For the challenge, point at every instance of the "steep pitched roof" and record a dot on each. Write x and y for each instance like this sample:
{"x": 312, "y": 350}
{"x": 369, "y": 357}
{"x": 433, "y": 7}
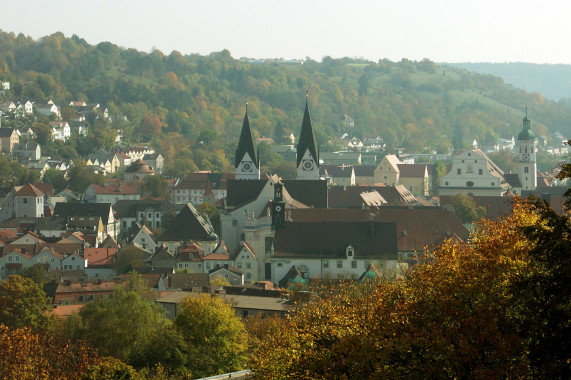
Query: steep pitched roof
{"x": 188, "y": 225}
{"x": 330, "y": 239}
{"x": 246, "y": 144}
{"x": 415, "y": 227}
{"x": 28, "y": 190}
{"x": 413, "y": 170}
{"x": 307, "y": 139}
{"x": 102, "y": 210}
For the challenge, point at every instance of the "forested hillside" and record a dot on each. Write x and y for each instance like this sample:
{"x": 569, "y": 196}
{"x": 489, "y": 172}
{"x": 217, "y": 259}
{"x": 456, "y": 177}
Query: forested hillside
{"x": 409, "y": 104}
{"x": 553, "y": 81}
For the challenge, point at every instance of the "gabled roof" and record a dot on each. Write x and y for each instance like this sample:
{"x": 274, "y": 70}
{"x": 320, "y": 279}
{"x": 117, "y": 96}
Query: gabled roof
{"x": 99, "y": 256}
{"x": 337, "y": 171}
{"x": 115, "y": 189}
{"x": 291, "y": 277}
{"x": 415, "y": 227}
{"x": 365, "y": 170}
{"x": 413, "y": 170}
{"x": 102, "y": 210}
{"x": 227, "y": 267}
{"x": 244, "y": 246}
{"x": 307, "y": 140}
{"x": 28, "y": 190}
{"x": 329, "y": 239}
{"x": 188, "y": 280}
{"x": 246, "y": 144}
{"x": 188, "y": 225}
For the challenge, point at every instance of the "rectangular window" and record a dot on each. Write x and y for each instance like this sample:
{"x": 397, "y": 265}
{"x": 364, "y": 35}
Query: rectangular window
{"x": 339, "y": 264}
{"x": 248, "y": 265}
{"x": 459, "y": 171}
{"x": 239, "y": 265}
{"x": 353, "y": 264}
{"x": 25, "y": 200}
{"x": 326, "y": 264}
{"x": 480, "y": 171}
{"x": 526, "y": 169}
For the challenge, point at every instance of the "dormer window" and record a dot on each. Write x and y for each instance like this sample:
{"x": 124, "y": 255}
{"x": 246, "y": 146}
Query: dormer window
{"x": 350, "y": 251}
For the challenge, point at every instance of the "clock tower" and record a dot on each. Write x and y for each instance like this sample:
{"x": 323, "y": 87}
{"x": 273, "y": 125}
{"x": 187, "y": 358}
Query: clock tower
{"x": 307, "y": 149}
{"x": 527, "y": 162}
{"x": 247, "y": 162}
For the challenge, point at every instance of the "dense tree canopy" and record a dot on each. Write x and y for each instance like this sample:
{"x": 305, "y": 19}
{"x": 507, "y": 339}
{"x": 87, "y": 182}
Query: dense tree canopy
{"x": 497, "y": 306}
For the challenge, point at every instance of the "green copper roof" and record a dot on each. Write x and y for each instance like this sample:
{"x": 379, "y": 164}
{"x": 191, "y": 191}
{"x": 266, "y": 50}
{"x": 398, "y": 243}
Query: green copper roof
{"x": 307, "y": 138}
{"x": 246, "y": 144}
{"x": 526, "y": 133}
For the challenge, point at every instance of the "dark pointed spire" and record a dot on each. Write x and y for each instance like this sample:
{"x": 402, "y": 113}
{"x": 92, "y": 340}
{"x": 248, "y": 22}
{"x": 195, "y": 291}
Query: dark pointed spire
{"x": 307, "y": 137}
{"x": 246, "y": 143}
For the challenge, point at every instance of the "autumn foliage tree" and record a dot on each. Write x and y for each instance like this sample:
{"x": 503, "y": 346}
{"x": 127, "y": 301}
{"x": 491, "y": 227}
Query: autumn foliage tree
{"x": 494, "y": 307}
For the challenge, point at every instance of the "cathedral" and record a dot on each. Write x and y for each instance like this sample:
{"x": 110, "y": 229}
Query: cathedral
{"x": 247, "y": 162}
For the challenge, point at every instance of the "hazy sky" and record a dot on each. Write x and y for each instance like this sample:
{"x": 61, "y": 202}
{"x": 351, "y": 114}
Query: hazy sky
{"x": 441, "y": 30}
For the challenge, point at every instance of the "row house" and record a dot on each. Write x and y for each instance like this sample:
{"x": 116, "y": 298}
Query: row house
{"x": 60, "y": 130}
{"x": 149, "y": 211}
{"x": 200, "y": 187}
{"x": 138, "y": 152}
{"x": 111, "y": 193}
{"x": 47, "y": 109}
{"x": 9, "y": 137}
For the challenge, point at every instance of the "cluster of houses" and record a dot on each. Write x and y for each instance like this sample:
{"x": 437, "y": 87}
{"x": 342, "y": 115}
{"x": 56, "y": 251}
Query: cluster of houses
{"x": 343, "y": 217}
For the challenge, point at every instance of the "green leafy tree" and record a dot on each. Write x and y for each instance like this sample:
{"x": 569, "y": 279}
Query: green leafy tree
{"x": 36, "y": 273}
{"x": 80, "y": 177}
{"x": 56, "y": 178}
{"x": 24, "y": 304}
{"x": 155, "y": 186}
{"x": 215, "y": 336}
{"x": 466, "y": 209}
{"x": 121, "y": 325}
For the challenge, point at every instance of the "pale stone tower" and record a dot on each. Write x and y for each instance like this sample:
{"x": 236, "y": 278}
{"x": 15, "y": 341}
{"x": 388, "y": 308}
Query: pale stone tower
{"x": 527, "y": 163}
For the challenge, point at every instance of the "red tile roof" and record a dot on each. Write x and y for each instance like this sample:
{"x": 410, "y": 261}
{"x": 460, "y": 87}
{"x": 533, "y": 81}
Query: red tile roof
{"x": 28, "y": 190}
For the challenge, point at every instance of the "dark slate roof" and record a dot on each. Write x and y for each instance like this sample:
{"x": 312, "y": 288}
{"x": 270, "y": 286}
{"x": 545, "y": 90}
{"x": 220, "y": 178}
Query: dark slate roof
{"x": 243, "y": 191}
{"x": 246, "y": 144}
{"x": 102, "y": 210}
{"x": 291, "y": 275}
{"x": 365, "y": 170}
{"x": 227, "y": 267}
{"x": 412, "y": 170}
{"x": 307, "y": 138}
{"x": 186, "y": 281}
{"x": 312, "y": 193}
{"x": 337, "y": 171}
{"x": 330, "y": 239}
{"x": 6, "y": 132}
{"x": 129, "y": 208}
{"x": 415, "y": 227}
{"x": 187, "y": 225}
{"x": 512, "y": 179}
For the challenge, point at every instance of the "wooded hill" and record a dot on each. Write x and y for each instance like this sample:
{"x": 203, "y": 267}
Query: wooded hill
{"x": 553, "y": 81}
{"x": 409, "y": 104}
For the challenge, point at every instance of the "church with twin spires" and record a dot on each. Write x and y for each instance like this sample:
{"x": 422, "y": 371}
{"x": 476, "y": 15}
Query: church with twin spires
{"x": 247, "y": 161}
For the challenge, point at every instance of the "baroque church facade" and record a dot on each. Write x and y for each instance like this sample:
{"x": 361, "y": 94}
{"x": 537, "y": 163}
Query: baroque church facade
{"x": 473, "y": 173}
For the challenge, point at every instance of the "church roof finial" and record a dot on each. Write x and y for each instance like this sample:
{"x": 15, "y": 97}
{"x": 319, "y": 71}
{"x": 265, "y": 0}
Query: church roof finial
{"x": 526, "y": 133}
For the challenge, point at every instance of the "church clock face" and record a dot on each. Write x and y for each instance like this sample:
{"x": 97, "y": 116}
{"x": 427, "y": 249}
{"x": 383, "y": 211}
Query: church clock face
{"x": 307, "y": 165}
{"x": 525, "y": 157}
{"x": 247, "y": 166}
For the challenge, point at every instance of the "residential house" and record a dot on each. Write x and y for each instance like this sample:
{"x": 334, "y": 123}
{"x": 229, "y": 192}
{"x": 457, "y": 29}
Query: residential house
{"x": 155, "y": 161}
{"x": 102, "y": 210}
{"x": 338, "y": 175}
{"x": 13, "y": 262}
{"x": 145, "y": 239}
{"x": 189, "y": 258}
{"x": 100, "y": 262}
{"x": 60, "y": 130}
{"x": 27, "y": 152}
{"x": 189, "y": 225}
{"x": 150, "y": 211}
{"x": 234, "y": 276}
{"x": 111, "y": 193}
{"x": 8, "y": 138}
{"x": 195, "y": 186}
{"x": 47, "y": 109}
{"x": 245, "y": 260}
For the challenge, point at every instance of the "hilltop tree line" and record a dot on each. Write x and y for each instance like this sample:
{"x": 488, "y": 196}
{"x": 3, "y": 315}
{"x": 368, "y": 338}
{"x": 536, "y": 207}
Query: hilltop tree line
{"x": 199, "y": 101}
